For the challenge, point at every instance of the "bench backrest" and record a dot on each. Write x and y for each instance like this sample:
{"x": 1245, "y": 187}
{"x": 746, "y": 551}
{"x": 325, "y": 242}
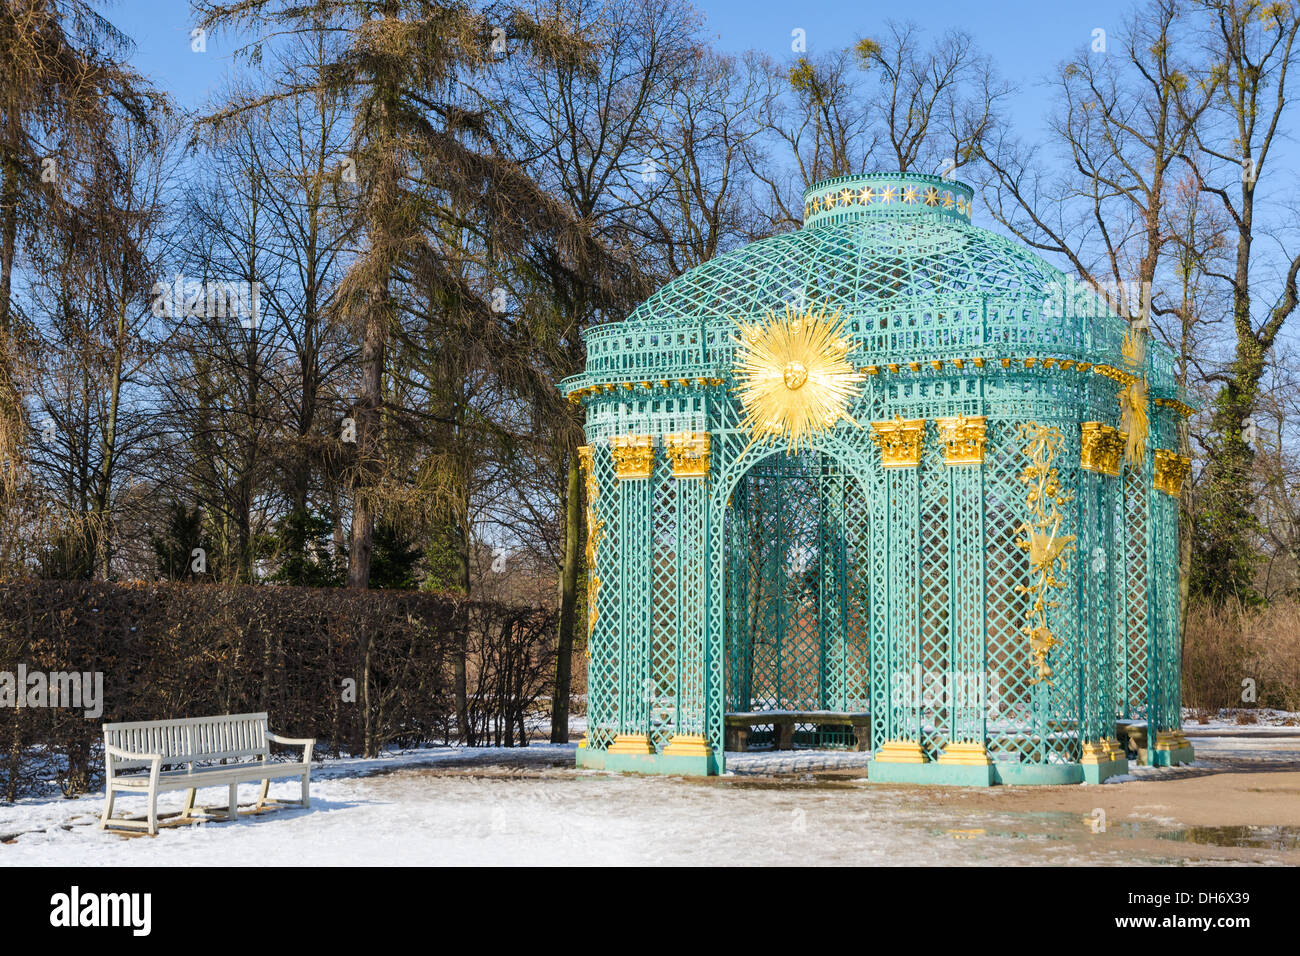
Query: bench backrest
{"x": 231, "y": 736}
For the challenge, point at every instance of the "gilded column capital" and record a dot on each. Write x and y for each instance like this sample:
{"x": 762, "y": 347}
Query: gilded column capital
{"x": 634, "y": 456}
{"x": 689, "y": 453}
{"x": 900, "y": 441}
{"x": 964, "y": 439}
{"x": 1101, "y": 448}
{"x": 1171, "y": 470}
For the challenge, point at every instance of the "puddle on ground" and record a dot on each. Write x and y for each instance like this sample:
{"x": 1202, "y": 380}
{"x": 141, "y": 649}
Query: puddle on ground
{"x": 807, "y": 780}
{"x": 1053, "y": 826}
{"x": 1253, "y": 837}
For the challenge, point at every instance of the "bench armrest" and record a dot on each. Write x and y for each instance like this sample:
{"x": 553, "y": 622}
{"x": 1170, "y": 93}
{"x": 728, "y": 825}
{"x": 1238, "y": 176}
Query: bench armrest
{"x": 306, "y": 743}
{"x": 129, "y": 755}
{"x": 155, "y": 764}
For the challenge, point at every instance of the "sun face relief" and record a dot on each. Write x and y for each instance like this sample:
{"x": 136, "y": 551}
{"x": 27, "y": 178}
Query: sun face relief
{"x": 795, "y": 374}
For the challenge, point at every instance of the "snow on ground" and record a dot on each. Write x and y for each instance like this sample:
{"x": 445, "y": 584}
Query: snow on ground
{"x": 530, "y": 806}
{"x": 1243, "y": 718}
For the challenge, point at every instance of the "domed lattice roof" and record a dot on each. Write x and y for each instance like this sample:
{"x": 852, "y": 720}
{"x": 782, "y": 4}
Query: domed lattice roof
{"x": 897, "y": 257}
{"x": 887, "y": 241}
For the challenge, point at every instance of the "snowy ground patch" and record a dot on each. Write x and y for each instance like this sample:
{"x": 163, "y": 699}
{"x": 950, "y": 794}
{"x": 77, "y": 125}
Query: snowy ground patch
{"x": 532, "y": 807}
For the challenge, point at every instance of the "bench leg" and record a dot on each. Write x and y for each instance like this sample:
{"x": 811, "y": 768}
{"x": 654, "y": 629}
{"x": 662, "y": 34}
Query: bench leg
{"x": 153, "y": 813}
{"x": 785, "y": 735}
{"x": 234, "y": 801}
{"x": 306, "y": 789}
{"x": 189, "y": 804}
{"x": 108, "y": 807}
{"x": 862, "y": 737}
{"x": 261, "y": 796}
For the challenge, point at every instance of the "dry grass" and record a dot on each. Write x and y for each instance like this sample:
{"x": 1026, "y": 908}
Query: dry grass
{"x": 1228, "y": 645}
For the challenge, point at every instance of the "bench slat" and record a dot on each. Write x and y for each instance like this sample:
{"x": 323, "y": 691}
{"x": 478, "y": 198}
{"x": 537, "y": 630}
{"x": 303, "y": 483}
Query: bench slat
{"x": 191, "y": 740}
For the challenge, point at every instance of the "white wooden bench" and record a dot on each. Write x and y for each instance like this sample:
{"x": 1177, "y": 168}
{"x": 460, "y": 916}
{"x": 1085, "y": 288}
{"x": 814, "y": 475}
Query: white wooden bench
{"x": 242, "y": 738}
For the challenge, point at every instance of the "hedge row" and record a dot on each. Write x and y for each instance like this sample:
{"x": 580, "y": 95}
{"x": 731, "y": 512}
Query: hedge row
{"x": 359, "y": 670}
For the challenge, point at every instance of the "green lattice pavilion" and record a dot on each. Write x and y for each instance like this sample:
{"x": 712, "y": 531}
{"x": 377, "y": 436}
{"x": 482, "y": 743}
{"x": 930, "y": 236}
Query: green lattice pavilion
{"x": 892, "y": 482}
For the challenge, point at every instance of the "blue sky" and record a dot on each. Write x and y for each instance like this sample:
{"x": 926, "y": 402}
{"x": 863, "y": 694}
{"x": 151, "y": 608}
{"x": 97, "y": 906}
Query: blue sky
{"x": 1026, "y": 38}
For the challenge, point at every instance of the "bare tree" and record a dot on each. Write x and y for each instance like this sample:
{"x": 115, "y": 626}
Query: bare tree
{"x": 1254, "y": 48}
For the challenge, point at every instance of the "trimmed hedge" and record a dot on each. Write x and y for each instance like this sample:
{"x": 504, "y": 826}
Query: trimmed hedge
{"x": 359, "y": 670}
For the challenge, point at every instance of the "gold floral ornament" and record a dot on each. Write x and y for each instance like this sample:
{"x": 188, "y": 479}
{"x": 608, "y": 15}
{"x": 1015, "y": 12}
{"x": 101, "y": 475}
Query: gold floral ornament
{"x": 793, "y": 378}
{"x": 595, "y": 531}
{"x": 1048, "y": 549}
{"x": 1133, "y": 400}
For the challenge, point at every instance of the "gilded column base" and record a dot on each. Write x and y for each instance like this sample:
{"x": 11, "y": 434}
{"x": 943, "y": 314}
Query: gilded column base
{"x": 1171, "y": 740}
{"x": 901, "y": 751}
{"x": 966, "y": 755}
{"x": 688, "y": 745}
{"x": 1172, "y": 748}
{"x": 1096, "y": 753}
{"x": 631, "y": 744}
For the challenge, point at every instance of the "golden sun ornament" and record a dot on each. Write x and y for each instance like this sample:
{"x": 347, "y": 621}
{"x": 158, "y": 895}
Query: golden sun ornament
{"x": 793, "y": 378}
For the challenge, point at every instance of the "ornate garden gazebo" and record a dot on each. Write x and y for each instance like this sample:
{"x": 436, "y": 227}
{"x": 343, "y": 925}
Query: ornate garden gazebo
{"x": 889, "y": 481}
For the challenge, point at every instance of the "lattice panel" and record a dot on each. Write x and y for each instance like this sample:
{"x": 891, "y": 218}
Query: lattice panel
{"x": 882, "y": 655}
{"x": 1094, "y": 560}
{"x": 787, "y": 658}
{"x": 662, "y": 687}
{"x": 1059, "y": 725}
{"x": 847, "y": 525}
{"x": 603, "y": 667}
{"x": 1138, "y": 639}
{"x": 693, "y": 494}
{"x": 935, "y": 562}
{"x": 968, "y": 681}
{"x": 1011, "y": 698}
{"x": 903, "y": 597}
{"x": 1109, "y": 627}
{"x": 637, "y": 689}
{"x": 831, "y": 598}
{"x": 741, "y": 600}
{"x": 1167, "y": 682}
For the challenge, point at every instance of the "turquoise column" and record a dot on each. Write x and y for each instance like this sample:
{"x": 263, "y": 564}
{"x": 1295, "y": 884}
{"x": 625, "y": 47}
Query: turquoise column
{"x": 967, "y": 670}
{"x": 634, "y": 467}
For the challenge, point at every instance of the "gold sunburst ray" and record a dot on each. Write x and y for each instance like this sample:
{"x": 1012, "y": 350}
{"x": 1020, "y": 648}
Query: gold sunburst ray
{"x": 794, "y": 380}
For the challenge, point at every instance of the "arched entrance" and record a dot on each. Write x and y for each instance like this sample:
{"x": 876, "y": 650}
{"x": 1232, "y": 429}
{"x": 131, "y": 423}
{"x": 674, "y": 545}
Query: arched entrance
{"x": 796, "y": 599}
